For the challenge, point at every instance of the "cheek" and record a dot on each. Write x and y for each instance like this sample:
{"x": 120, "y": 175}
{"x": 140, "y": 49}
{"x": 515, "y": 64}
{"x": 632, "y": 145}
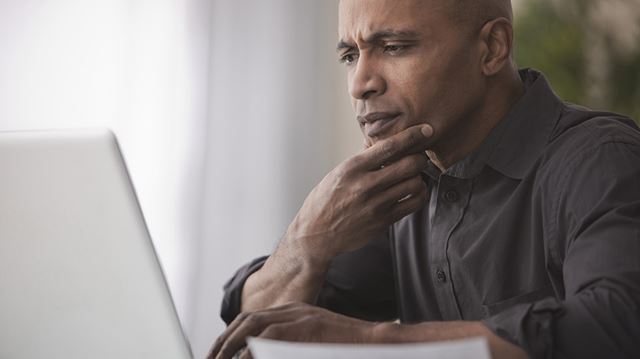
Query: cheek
{"x": 442, "y": 88}
{"x": 419, "y": 92}
{"x": 406, "y": 85}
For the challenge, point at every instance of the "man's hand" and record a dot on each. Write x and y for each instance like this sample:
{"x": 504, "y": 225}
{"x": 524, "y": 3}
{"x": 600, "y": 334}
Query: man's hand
{"x": 301, "y": 322}
{"x": 363, "y": 196}
{"x": 292, "y": 322}
{"x": 353, "y": 204}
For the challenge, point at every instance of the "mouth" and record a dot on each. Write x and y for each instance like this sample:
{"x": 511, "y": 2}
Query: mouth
{"x": 377, "y": 123}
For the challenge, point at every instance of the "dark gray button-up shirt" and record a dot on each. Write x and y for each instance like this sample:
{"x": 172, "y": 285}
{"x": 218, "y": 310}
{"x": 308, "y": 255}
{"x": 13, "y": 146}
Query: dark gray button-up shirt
{"x": 537, "y": 234}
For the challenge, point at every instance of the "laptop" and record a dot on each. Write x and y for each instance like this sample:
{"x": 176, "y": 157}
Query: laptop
{"x": 79, "y": 277}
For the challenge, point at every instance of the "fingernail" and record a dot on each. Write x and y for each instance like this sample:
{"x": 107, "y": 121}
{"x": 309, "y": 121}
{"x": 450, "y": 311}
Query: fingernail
{"x": 427, "y": 130}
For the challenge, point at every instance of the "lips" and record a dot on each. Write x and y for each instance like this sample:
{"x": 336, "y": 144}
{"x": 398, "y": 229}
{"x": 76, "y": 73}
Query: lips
{"x": 377, "y": 123}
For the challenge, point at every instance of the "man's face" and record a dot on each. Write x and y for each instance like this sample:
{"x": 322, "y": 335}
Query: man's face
{"x": 408, "y": 62}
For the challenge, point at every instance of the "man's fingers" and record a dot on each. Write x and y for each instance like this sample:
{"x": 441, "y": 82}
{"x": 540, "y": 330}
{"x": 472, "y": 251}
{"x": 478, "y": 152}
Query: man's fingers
{"x": 234, "y": 342}
{"x": 399, "y": 200}
{"x": 396, "y": 172}
{"x": 228, "y": 332}
{"x": 409, "y": 205}
{"x": 246, "y": 354}
{"x": 250, "y": 324}
{"x": 414, "y": 139}
{"x": 389, "y": 198}
{"x": 221, "y": 339}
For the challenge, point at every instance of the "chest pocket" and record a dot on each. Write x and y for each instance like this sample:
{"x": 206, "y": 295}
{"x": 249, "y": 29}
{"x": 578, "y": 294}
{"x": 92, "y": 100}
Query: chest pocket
{"x": 529, "y": 297}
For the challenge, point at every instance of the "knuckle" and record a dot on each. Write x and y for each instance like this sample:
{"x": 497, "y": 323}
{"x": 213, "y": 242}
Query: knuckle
{"x": 419, "y": 162}
{"x": 342, "y": 171}
{"x": 388, "y": 147}
{"x": 310, "y": 322}
{"x": 273, "y": 332}
{"x": 242, "y": 317}
{"x": 415, "y": 135}
{"x": 355, "y": 161}
{"x": 252, "y": 319}
{"x": 416, "y": 184}
{"x": 408, "y": 166}
{"x": 218, "y": 342}
{"x": 359, "y": 190}
{"x": 295, "y": 305}
{"x": 412, "y": 164}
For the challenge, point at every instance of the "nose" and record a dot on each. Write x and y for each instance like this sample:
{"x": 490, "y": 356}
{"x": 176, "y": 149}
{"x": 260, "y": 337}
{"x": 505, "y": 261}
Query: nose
{"x": 366, "y": 80}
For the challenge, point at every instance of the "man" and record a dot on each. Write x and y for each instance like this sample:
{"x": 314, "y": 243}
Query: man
{"x": 521, "y": 223}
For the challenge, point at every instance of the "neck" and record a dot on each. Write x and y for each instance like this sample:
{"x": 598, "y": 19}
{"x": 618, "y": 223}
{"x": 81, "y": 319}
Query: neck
{"x": 471, "y": 132}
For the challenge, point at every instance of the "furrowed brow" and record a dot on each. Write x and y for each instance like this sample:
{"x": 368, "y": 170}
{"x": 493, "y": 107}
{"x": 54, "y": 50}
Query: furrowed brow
{"x": 379, "y": 36}
{"x": 344, "y": 45}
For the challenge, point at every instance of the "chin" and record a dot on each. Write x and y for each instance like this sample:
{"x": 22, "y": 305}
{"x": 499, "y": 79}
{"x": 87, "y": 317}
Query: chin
{"x": 392, "y": 132}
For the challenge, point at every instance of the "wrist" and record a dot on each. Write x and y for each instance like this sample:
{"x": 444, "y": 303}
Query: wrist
{"x": 285, "y": 277}
{"x": 295, "y": 257}
{"x": 308, "y": 246}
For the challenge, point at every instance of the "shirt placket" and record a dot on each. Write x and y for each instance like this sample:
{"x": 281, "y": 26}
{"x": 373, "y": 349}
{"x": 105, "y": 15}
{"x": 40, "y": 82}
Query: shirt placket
{"x": 451, "y": 196}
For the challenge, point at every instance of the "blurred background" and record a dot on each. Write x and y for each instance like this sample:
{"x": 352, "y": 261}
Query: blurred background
{"x": 229, "y": 111}
{"x": 589, "y": 49}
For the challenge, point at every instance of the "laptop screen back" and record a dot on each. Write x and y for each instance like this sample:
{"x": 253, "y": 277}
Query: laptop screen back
{"x": 79, "y": 277}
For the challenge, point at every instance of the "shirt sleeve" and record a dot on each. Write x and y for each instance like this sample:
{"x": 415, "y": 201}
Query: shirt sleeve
{"x": 598, "y": 240}
{"x": 232, "y": 298}
{"x": 358, "y": 284}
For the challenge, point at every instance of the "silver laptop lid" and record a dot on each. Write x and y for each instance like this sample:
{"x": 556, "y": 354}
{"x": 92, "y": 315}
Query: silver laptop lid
{"x": 79, "y": 277}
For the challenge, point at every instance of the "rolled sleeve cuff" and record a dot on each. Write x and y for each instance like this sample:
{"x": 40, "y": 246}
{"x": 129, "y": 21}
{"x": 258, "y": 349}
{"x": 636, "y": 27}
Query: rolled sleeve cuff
{"x": 528, "y": 325}
{"x": 232, "y": 299}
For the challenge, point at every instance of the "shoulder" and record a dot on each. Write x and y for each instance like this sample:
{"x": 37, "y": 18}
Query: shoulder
{"x": 589, "y": 171}
{"x": 591, "y": 157}
{"x": 584, "y": 138}
{"x": 588, "y": 129}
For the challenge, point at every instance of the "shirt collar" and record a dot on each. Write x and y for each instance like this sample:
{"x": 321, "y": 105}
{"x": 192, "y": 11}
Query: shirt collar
{"x": 514, "y": 145}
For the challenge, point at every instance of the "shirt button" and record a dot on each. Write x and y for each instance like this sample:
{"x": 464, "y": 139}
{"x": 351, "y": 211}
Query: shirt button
{"x": 441, "y": 276}
{"x": 451, "y": 195}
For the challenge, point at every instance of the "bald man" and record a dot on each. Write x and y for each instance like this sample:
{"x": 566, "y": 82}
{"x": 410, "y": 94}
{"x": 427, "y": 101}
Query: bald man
{"x": 482, "y": 204}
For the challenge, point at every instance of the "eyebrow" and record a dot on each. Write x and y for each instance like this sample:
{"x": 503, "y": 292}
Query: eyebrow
{"x": 378, "y": 37}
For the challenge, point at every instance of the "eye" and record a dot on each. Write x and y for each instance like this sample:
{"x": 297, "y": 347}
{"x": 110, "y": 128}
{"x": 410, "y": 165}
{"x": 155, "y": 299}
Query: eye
{"x": 348, "y": 58}
{"x": 394, "y": 49}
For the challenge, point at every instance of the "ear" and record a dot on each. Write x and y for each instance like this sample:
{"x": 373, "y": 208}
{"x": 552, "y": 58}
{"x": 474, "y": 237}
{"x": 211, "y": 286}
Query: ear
{"x": 497, "y": 44}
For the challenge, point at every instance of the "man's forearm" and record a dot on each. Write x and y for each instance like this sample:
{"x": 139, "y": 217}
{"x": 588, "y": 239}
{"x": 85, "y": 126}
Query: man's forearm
{"x": 289, "y": 275}
{"x": 439, "y": 331}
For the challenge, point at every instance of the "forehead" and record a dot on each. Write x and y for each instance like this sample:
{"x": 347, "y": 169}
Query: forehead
{"x": 360, "y": 17}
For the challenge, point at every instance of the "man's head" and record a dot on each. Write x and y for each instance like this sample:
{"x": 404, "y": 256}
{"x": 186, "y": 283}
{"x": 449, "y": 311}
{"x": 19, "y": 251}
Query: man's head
{"x": 423, "y": 61}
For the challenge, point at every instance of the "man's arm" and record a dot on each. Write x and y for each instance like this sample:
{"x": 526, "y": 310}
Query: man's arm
{"x": 358, "y": 284}
{"x": 598, "y": 238}
{"x": 354, "y": 203}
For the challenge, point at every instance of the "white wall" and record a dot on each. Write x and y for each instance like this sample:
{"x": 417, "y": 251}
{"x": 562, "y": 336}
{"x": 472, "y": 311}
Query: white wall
{"x": 138, "y": 67}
